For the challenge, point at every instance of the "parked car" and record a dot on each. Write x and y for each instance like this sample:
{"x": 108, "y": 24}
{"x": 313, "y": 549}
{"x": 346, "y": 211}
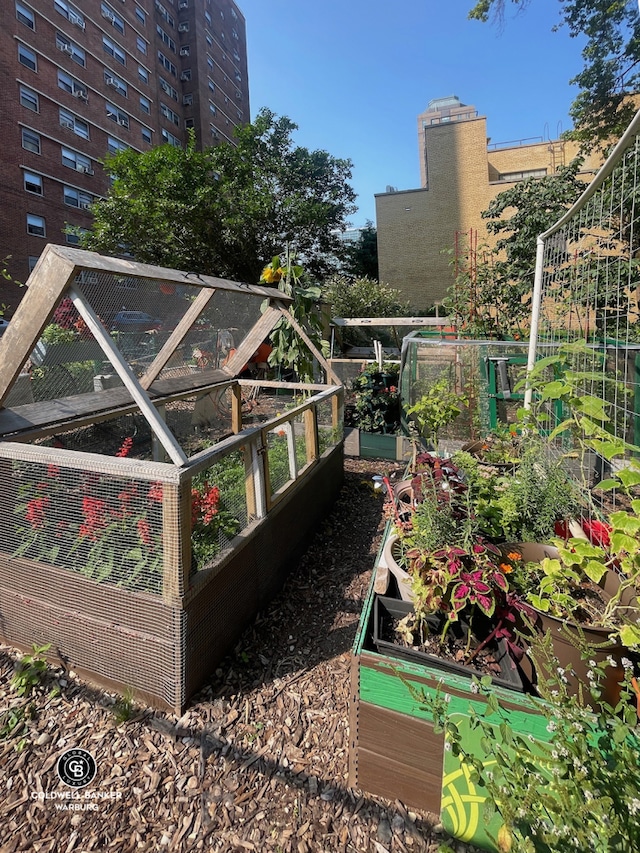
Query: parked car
{"x": 135, "y": 321}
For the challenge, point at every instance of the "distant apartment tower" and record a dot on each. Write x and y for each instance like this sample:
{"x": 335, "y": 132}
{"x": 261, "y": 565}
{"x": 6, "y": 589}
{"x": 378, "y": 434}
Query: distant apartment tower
{"x": 461, "y": 172}
{"x": 80, "y": 80}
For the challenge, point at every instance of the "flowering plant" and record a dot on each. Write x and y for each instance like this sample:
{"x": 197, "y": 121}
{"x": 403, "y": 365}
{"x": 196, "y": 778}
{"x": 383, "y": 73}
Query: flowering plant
{"x": 578, "y": 791}
{"x": 377, "y": 406}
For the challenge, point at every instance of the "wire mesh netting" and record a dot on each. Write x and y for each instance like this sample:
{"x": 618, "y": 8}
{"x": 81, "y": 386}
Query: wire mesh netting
{"x": 587, "y": 299}
{"x": 139, "y": 315}
{"x": 486, "y": 377}
{"x": 106, "y": 527}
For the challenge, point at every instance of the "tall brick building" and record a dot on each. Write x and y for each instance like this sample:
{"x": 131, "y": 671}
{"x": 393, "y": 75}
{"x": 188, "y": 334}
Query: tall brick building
{"x": 461, "y": 172}
{"x": 81, "y": 79}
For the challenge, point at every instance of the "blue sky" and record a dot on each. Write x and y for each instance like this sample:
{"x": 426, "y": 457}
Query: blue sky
{"x": 355, "y": 74}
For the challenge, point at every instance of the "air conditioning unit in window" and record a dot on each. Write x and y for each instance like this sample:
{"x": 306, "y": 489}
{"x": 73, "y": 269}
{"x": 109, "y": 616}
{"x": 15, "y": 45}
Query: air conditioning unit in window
{"x": 106, "y": 14}
{"x": 123, "y": 121}
{"x": 183, "y": 27}
{"x": 186, "y": 75}
{"x": 111, "y": 82}
{"x": 74, "y": 19}
{"x": 87, "y": 170}
{"x": 185, "y": 51}
{"x": 66, "y": 48}
{"x": 85, "y": 205}
{"x": 81, "y": 93}
{"x": 65, "y": 122}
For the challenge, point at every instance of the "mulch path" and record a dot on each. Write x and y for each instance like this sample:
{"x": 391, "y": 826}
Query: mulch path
{"x": 258, "y": 761}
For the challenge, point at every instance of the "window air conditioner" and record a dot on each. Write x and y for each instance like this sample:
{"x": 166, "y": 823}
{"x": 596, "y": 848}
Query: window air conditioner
{"x": 110, "y": 82}
{"x": 184, "y": 27}
{"x": 184, "y": 51}
{"x": 66, "y": 123}
{"x": 80, "y": 93}
{"x": 123, "y": 121}
{"x": 65, "y": 48}
{"x": 85, "y": 205}
{"x": 106, "y": 14}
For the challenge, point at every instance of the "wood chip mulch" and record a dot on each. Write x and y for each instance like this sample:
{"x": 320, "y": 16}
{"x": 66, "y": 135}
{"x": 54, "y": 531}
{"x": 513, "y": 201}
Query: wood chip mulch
{"x": 259, "y": 759}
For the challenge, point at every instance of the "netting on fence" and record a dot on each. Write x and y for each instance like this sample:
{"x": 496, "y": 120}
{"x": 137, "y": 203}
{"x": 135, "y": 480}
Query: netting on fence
{"x": 586, "y": 300}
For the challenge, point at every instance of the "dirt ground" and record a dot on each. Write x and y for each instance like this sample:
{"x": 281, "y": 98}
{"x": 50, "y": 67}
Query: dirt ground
{"x": 259, "y": 759}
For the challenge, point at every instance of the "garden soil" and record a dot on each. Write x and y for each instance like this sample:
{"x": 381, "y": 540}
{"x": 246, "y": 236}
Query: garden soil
{"x": 259, "y": 759}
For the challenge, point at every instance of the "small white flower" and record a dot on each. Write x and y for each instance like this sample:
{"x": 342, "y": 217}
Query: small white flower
{"x": 626, "y": 663}
{"x": 447, "y": 746}
{"x": 552, "y": 726}
{"x": 611, "y": 661}
{"x": 474, "y": 687}
{"x": 592, "y": 664}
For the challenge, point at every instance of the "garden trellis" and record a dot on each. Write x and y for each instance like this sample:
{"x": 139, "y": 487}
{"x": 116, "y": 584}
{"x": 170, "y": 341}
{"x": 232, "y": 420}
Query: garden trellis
{"x": 147, "y": 511}
{"x": 587, "y": 288}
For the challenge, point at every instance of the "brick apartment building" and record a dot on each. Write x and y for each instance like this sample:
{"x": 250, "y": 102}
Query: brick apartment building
{"x": 80, "y": 80}
{"x": 461, "y": 172}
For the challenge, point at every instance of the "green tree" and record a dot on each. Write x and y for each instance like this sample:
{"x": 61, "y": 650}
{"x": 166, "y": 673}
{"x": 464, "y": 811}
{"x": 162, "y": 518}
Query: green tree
{"x": 496, "y": 292}
{"x": 224, "y": 210}
{"x": 363, "y": 297}
{"x": 361, "y": 257}
{"x": 602, "y": 110}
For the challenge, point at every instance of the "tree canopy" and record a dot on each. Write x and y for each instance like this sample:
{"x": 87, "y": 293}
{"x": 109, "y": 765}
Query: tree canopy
{"x": 603, "y": 109}
{"x": 361, "y": 257}
{"x": 226, "y": 210}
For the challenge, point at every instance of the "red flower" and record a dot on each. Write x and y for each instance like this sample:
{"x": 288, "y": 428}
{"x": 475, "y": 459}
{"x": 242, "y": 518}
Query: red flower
{"x": 95, "y": 519}
{"x": 144, "y": 531}
{"x": 210, "y": 502}
{"x": 597, "y": 532}
{"x": 125, "y": 447}
{"x": 35, "y": 513}
{"x": 155, "y": 492}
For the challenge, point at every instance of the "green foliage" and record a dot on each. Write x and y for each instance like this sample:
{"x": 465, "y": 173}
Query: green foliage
{"x": 611, "y": 33}
{"x": 577, "y": 792}
{"x": 436, "y": 409}
{"x": 223, "y": 210}
{"x": 377, "y": 407}
{"x": 361, "y": 258}
{"x": 289, "y": 351}
{"x": 124, "y": 707}
{"x": 30, "y": 671}
{"x": 364, "y": 297}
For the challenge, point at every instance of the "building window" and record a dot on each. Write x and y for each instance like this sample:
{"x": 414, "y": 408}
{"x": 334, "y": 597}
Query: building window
{"x": 162, "y": 59}
{"x": 141, "y": 15}
{"x": 186, "y": 74}
{"x": 69, "y": 84}
{"x": 76, "y": 161}
{"x": 168, "y": 89}
{"x": 146, "y": 135}
{"x": 33, "y": 183}
{"x": 145, "y": 105}
{"x": 187, "y": 99}
{"x": 72, "y": 235}
{"x": 185, "y": 50}
{"x": 171, "y": 139}
{"x": 164, "y": 14}
{"x": 116, "y": 83}
{"x": 113, "y": 50}
{"x": 211, "y": 84}
{"x": 189, "y": 122}
{"x": 110, "y": 15}
{"x": 25, "y": 16}
{"x": 209, "y": 39}
{"x": 141, "y": 44}
{"x": 207, "y": 18}
{"x": 513, "y": 177}
{"x": 166, "y": 38}
{"x": 183, "y": 27}
{"x": 169, "y": 114}
{"x": 29, "y": 99}
{"x": 27, "y": 58}
{"x": 76, "y": 198}
{"x": 36, "y": 225}
{"x": 30, "y": 141}
{"x": 143, "y": 74}
{"x": 69, "y": 12}
{"x": 33, "y": 260}
{"x": 67, "y": 46}
{"x": 212, "y": 108}
{"x": 72, "y": 122}
{"x": 117, "y": 115}
{"x": 115, "y": 145}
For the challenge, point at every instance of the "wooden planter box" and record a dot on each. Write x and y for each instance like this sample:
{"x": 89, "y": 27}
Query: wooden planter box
{"x": 394, "y": 751}
{"x": 372, "y": 445}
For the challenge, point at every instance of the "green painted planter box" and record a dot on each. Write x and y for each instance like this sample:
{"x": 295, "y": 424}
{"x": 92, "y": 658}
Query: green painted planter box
{"x": 394, "y": 751}
{"x": 377, "y": 446}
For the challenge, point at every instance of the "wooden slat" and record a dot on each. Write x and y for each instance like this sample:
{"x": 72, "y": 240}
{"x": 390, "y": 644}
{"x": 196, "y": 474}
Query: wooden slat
{"x": 236, "y": 409}
{"x": 47, "y": 283}
{"x": 176, "y": 541}
{"x": 311, "y": 434}
{"x": 252, "y": 340}
{"x": 176, "y": 337}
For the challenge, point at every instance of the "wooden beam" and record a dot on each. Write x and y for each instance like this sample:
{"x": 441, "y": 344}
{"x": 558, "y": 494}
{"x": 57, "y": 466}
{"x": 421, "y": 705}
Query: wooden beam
{"x": 129, "y": 380}
{"x": 176, "y": 541}
{"x": 252, "y": 340}
{"x": 311, "y": 433}
{"x": 316, "y": 352}
{"x": 176, "y": 337}
{"x": 47, "y": 283}
{"x": 236, "y": 409}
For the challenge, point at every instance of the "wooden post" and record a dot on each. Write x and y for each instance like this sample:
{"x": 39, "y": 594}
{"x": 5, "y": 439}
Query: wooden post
{"x": 176, "y": 540}
{"x": 236, "y": 408}
{"x": 249, "y": 480}
{"x": 311, "y": 433}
